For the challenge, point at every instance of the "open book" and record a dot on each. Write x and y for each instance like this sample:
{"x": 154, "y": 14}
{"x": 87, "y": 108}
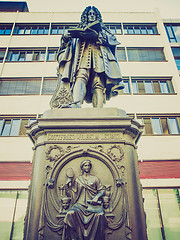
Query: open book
{"x": 89, "y": 32}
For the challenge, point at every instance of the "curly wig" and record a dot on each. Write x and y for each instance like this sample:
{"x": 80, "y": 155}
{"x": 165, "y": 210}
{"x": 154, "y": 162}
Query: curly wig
{"x": 84, "y": 15}
{"x": 84, "y": 18}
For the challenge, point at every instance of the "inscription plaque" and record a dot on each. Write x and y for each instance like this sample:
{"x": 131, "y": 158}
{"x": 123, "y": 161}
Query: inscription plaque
{"x": 84, "y": 136}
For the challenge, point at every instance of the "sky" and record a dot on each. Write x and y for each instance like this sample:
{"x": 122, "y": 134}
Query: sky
{"x": 167, "y": 8}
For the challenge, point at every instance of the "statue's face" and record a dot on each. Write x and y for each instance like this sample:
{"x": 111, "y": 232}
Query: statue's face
{"x": 86, "y": 167}
{"x": 105, "y": 202}
{"x": 91, "y": 16}
{"x": 65, "y": 203}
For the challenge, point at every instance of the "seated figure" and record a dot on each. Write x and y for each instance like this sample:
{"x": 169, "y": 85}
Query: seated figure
{"x": 85, "y": 220}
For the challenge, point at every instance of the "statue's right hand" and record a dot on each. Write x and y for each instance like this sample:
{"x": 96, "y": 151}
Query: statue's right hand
{"x": 69, "y": 182}
{"x": 66, "y": 36}
{"x": 70, "y": 176}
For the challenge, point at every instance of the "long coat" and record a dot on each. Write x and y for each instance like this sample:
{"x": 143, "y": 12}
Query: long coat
{"x": 78, "y": 53}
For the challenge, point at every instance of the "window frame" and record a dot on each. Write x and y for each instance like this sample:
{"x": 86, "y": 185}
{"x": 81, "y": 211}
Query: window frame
{"x": 26, "y": 89}
{"x": 15, "y": 131}
{"x": 163, "y": 123}
{"x": 17, "y": 204}
{"x": 6, "y": 27}
{"x": 36, "y": 54}
{"x": 21, "y": 29}
{"x": 54, "y": 51}
{"x": 59, "y": 28}
{"x": 126, "y": 83}
{"x": 176, "y": 55}
{"x": 156, "y": 126}
{"x": 131, "y": 29}
{"x": 115, "y": 28}
{"x": 121, "y": 57}
{"x": 141, "y": 54}
{"x": 2, "y": 54}
{"x": 50, "y": 91}
{"x": 170, "y": 32}
{"x": 156, "y": 83}
{"x": 156, "y": 199}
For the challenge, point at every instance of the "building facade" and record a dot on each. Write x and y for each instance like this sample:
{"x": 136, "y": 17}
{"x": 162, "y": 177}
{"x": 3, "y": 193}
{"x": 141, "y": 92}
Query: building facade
{"x": 149, "y": 59}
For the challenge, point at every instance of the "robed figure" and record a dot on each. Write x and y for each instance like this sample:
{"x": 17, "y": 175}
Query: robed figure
{"x": 85, "y": 220}
{"x": 87, "y": 61}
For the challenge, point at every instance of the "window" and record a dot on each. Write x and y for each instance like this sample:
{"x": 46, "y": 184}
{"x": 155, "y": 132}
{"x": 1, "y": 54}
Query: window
{"x": 20, "y": 86}
{"x": 176, "y": 53}
{"x": 13, "y": 208}
{"x": 164, "y": 87}
{"x": 161, "y": 208}
{"x": 153, "y": 86}
{"x": 5, "y": 29}
{"x": 177, "y": 63}
{"x": 120, "y": 54}
{"x": 161, "y": 125}
{"x": 52, "y": 54}
{"x": 49, "y": 85}
{"x": 153, "y": 217}
{"x": 162, "y": 213}
{"x": 2, "y": 53}
{"x": 13, "y": 127}
{"x": 114, "y": 28}
{"x": 140, "y": 29}
{"x": 173, "y": 32}
{"x": 173, "y": 126}
{"x": 148, "y": 87}
{"x": 126, "y": 89}
{"x": 156, "y": 126}
{"x": 135, "y": 87}
{"x": 22, "y": 29}
{"x": 29, "y": 56}
{"x": 38, "y": 55}
{"x": 6, "y": 128}
{"x": 126, "y": 86}
{"x": 14, "y": 56}
{"x": 145, "y": 54}
{"x": 60, "y": 28}
{"x": 26, "y": 55}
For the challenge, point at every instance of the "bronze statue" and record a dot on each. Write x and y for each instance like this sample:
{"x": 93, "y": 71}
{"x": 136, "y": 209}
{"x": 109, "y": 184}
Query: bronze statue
{"x": 85, "y": 219}
{"x": 87, "y": 63}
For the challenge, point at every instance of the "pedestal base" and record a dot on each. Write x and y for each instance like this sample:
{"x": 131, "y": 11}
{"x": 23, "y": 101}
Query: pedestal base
{"x": 63, "y": 139}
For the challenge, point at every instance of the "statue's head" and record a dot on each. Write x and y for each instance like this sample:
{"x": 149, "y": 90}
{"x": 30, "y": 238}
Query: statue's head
{"x": 106, "y": 200}
{"x": 90, "y": 14}
{"x": 65, "y": 202}
{"x": 86, "y": 165}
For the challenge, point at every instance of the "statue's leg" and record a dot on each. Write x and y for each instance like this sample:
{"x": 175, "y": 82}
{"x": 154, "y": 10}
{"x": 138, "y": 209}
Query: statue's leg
{"x": 98, "y": 98}
{"x": 98, "y": 91}
{"x": 79, "y": 89}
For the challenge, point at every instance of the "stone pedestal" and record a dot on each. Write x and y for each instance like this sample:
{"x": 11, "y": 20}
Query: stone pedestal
{"x": 62, "y": 140}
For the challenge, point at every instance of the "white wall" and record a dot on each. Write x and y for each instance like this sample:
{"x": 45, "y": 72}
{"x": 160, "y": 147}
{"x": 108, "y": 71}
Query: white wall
{"x": 150, "y": 147}
{"x": 15, "y": 149}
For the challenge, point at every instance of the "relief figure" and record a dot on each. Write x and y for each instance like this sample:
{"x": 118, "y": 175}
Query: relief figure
{"x": 85, "y": 219}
